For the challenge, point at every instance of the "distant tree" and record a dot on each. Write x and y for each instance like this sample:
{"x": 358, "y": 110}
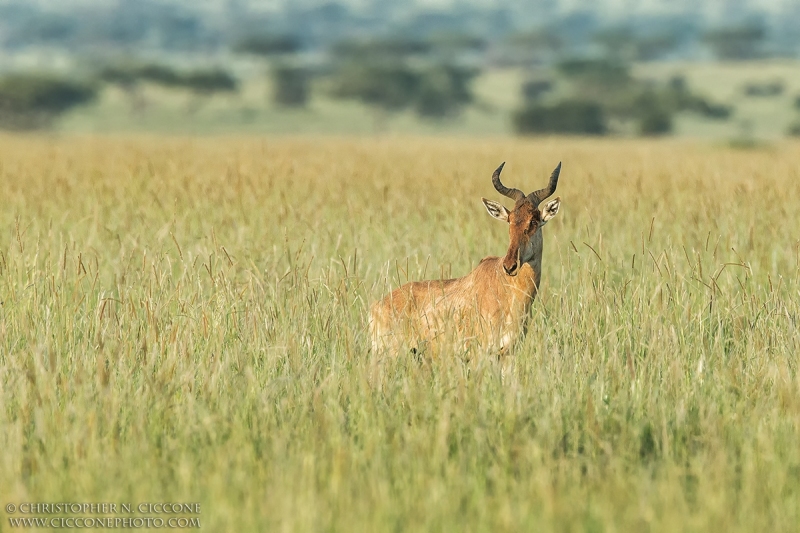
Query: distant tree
{"x": 655, "y": 47}
{"x": 653, "y": 116}
{"x": 159, "y": 74}
{"x": 604, "y": 92}
{"x": 534, "y": 89}
{"x": 736, "y": 43}
{"x": 290, "y": 85}
{"x": 384, "y": 86}
{"x": 387, "y": 49}
{"x": 208, "y": 82}
{"x": 443, "y": 91}
{"x": 595, "y": 71}
{"x": 129, "y": 81}
{"x": 655, "y": 122}
{"x": 764, "y": 89}
{"x": 568, "y": 116}
{"x": 268, "y": 45}
{"x": 398, "y": 73}
{"x": 127, "y": 75}
{"x": 677, "y": 97}
{"x": 710, "y": 110}
{"x": 130, "y": 77}
{"x": 794, "y": 129}
{"x": 435, "y": 91}
{"x": 124, "y": 77}
{"x": 29, "y": 101}
{"x": 202, "y": 83}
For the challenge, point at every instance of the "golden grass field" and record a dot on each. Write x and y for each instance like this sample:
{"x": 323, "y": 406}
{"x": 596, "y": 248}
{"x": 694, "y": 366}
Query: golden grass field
{"x": 185, "y": 320}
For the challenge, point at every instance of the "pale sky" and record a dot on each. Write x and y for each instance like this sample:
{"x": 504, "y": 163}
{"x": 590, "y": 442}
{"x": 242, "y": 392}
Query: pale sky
{"x": 711, "y": 9}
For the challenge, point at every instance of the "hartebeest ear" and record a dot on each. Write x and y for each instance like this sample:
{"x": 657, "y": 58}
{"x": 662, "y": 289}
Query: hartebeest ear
{"x": 550, "y": 209}
{"x": 498, "y": 211}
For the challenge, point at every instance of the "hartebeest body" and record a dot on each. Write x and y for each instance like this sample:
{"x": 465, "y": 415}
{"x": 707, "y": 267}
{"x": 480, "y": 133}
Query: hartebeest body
{"x": 489, "y": 307}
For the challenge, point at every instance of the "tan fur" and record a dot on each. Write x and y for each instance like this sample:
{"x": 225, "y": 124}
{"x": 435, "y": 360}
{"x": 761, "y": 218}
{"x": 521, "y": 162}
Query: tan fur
{"x": 488, "y": 308}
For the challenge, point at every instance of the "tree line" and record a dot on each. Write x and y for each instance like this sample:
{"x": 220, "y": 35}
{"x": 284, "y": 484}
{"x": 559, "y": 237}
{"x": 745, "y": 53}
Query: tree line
{"x": 431, "y": 77}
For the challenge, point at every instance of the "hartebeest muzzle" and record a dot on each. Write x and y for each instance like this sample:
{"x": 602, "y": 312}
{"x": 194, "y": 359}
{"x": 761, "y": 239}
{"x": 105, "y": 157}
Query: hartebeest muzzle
{"x": 511, "y": 262}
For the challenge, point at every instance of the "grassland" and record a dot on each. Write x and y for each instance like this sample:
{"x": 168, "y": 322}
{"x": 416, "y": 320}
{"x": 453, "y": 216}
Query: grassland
{"x": 185, "y": 320}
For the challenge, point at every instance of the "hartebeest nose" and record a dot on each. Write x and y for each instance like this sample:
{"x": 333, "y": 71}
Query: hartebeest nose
{"x": 512, "y": 270}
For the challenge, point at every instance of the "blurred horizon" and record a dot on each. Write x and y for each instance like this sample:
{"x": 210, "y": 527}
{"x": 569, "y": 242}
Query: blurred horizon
{"x": 115, "y": 26}
{"x": 473, "y": 66}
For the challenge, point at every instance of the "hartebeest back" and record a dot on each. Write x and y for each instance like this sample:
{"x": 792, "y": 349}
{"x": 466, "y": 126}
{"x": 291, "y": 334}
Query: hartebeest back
{"x": 487, "y": 308}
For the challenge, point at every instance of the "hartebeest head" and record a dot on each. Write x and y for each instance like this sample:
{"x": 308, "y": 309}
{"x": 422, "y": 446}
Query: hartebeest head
{"x": 524, "y": 220}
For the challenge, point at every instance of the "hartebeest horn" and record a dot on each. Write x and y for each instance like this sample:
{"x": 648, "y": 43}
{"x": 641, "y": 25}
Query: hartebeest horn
{"x": 514, "y": 194}
{"x": 536, "y": 197}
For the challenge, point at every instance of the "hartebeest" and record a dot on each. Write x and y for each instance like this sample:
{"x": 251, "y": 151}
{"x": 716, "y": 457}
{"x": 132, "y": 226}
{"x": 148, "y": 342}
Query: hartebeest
{"x": 487, "y": 308}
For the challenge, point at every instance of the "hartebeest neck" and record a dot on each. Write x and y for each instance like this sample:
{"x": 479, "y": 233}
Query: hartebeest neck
{"x": 537, "y": 245}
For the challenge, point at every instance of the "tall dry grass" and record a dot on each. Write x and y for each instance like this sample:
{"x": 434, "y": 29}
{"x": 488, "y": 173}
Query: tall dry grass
{"x": 185, "y": 320}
